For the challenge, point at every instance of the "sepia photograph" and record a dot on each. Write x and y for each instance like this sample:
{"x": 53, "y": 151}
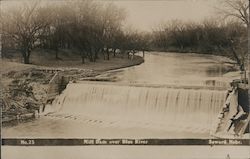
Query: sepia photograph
{"x": 125, "y": 79}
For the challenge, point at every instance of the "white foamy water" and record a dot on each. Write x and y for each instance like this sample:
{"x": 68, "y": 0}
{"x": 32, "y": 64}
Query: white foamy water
{"x": 144, "y": 107}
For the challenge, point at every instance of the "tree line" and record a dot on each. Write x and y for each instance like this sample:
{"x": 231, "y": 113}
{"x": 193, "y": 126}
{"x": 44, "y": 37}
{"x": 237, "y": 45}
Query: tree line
{"x": 89, "y": 27}
{"x": 98, "y": 30}
{"x": 226, "y": 34}
{"x": 210, "y": 37}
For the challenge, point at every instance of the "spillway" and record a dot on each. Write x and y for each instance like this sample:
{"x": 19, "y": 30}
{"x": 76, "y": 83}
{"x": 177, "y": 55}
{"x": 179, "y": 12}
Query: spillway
{"x": 168, "y": 109}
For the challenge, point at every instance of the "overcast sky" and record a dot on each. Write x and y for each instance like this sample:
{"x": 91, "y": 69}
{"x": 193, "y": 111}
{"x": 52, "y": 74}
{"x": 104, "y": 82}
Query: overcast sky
{"x": 145, "y": 14}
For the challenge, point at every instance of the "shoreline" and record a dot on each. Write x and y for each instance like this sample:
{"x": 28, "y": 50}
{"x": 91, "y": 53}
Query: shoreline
{"x": 25, "y": 87}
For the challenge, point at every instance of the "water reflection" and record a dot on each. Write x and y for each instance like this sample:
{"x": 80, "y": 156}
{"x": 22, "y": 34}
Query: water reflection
{"x": 176, "y": 68}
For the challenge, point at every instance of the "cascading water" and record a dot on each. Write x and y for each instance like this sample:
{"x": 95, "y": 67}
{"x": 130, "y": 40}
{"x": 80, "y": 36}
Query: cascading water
{"x": 166, "y": 109}
{"x": 186, "y": 106}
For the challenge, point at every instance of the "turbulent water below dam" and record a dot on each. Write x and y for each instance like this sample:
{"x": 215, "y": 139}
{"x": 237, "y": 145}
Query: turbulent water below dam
{"x": 169, "y": 96}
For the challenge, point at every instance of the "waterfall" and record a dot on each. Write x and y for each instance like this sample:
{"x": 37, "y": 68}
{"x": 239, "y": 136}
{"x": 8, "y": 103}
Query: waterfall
{"x": 122, "y": 106}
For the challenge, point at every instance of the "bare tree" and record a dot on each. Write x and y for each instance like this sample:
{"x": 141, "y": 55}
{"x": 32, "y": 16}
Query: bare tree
{"x": 111, "y": 20}
{"x": 237, "y": 9}
{"x": 85, "y": 26}
{"x": 24, "y": 25}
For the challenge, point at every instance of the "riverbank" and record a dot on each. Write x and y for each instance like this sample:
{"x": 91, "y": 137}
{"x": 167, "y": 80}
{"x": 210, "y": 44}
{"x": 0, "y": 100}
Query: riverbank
{"x": 25, "y": 87}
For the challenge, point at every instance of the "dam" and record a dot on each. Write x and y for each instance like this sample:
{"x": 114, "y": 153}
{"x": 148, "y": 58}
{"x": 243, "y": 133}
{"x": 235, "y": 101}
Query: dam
{"x": 169, "y": 96}
{"x": 169, "y": 109}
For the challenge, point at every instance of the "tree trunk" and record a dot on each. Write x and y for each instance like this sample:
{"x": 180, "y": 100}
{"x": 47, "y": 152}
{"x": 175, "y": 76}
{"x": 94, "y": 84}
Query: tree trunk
{"x": 107, "y": 51}
{"x": 96, "y": 55}
{"x": 239, "y": 62}
{"x": 90, "y": 56}
{"x": 83, "y": 59}
{"x": 26, "y": 60}
{"x": 26, "y": 56}
{"x": 107, "y": 55}
{"x": 57, "y": 57}
{"x": 103, "y": 53}
{"x": 114, "y": 52}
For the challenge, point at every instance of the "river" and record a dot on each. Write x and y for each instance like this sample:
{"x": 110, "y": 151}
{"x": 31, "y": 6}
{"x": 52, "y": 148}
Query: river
{"x": 177, "y": 69}
{"x": 170, "y": 95}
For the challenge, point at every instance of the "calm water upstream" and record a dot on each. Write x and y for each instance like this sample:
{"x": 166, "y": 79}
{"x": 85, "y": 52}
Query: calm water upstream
{"x": 176, "y": 69}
